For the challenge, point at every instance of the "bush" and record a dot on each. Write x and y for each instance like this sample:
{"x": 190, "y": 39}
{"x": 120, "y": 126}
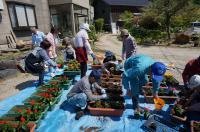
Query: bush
{"x": 99, "y": 24}
{"x": 93, "y": 35}
{"x": 148, "y": 22}
{"x": 182, "y": 39}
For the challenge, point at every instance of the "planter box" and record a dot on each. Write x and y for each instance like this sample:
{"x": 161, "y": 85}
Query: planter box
{"x": 96, "y": 66}
{"x": 149, "y": 85}
{"x": 15, "y": 124}
{"x": 105, "y": 111}
{"x": 111, "y": 76}
{"x": 111, "y": 85}
{"x": 12, "y": 117}
{"x": 66, "y": 86}
{"x": 111, "y": 80}
{"x": 178, "y": 119}
{"x": 192, "y": 126}
{"x": 72, "y": 73}
{"x": 52, "y": 106}
{"x": 167, "y": 99}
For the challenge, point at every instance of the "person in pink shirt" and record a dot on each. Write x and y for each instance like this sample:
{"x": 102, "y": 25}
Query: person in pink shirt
{"x": 51, "y": 36}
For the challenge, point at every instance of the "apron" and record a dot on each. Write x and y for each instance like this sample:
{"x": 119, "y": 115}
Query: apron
{"x": 81, "y": 54}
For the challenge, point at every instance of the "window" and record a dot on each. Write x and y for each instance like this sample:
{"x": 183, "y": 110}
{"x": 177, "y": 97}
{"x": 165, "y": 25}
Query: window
{"x": 22, "y": 16}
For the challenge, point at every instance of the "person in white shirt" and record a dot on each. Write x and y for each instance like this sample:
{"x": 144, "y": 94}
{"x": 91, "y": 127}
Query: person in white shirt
{"x": 37, "y": 37}
{"x": 83, "y": 48}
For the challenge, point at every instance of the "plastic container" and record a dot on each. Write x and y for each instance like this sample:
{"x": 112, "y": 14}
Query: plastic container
{"x": 159, "y": 103}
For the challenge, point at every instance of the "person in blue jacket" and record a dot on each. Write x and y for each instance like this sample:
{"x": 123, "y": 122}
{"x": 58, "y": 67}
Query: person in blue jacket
{"x": 136, "y": 71}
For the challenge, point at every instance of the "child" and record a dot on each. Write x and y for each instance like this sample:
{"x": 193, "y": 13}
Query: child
{"x": 69, "y": 52}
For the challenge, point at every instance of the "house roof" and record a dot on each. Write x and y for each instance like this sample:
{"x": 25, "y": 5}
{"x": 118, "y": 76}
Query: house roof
{"x": 127, "y": 2}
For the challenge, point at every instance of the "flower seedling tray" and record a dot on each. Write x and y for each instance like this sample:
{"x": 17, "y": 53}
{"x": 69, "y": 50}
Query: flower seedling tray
{"x": 156, "y": 123}
{"x": 14, "y": 124}
{"x": 110, "y": 86}
{"x": 72, "y": 73}
{"x": 105, "y": 111}
{"x": 111, "y": 80}
{"x": 193, "y": 124}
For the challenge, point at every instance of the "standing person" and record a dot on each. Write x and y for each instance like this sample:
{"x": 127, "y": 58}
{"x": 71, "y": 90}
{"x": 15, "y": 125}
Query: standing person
{"x": 129, "y": 46}
{"x": 37, "y": 37}
{"x": 191, "y": 68}
{"x": 51, "y": 37}
{"x": 83, "y": 48}
{"x": 34, "y": 63}
{"x": 136, "y": 70}
{"x": 69, "y": 52}
{"x": 85, "y": 90}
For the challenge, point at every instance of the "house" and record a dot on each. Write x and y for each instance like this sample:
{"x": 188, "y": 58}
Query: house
{"x": 110, "y": 10}
{"x": 17, "y": 16}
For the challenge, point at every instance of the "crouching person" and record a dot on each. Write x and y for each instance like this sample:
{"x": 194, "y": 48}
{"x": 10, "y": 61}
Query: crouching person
{"x": 193, "y": 104}
{"x": 35, "y": 61}
{"x": 83, "y": 91}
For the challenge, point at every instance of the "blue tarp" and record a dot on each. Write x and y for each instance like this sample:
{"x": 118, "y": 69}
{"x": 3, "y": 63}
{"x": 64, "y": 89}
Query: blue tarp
{"x": 62, "y": 118}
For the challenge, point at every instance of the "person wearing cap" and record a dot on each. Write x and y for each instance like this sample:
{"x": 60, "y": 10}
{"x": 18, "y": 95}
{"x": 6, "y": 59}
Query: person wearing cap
{"x": 193, "y": 104}
{"x": 191, "y": 68}
{"x": 136, "y": 71}
{"x": 129, "y": 46}
{"x": 83, "y": 48}
{"x": 111, "y": 61}
{"x": 84, "y": 90}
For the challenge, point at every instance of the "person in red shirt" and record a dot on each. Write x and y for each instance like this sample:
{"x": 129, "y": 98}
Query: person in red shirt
{"x": 191, "y": 68}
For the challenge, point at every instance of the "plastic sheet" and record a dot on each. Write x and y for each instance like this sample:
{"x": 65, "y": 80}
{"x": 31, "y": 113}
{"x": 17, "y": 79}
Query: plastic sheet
{"x": 62, "y": 118}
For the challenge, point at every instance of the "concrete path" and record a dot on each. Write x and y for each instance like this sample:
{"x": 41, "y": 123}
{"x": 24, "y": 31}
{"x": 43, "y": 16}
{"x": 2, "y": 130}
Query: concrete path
{"x": 178, "y": 56}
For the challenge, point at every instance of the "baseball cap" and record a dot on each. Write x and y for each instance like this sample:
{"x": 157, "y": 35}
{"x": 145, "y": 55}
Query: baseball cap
{"x": 158, "y": 70}
{"x": 96, "y": 74}
{"x": 109, "y": 53}
{"x": 194, "y": 81}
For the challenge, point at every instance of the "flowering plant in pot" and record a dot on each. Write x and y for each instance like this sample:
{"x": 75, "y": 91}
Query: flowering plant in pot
{"x": 73, "y": 66}
{"x": 60, "y": 63}
{"x": 46, "y": 98}
{"x": 178, "y": 111}
{"x": 137, "y": 114}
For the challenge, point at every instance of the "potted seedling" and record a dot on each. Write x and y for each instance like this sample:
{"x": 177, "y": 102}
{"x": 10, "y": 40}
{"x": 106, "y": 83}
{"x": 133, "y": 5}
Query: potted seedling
{"x": 146, "y": 113}
{"x": 137, "y": 114}
{"x": 195, "y": 126}
{"x": 178, "y": 113}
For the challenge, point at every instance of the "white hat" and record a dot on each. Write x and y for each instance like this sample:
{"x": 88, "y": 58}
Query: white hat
{"x": 85, "y": 26}
{"x": 194, "y": 81}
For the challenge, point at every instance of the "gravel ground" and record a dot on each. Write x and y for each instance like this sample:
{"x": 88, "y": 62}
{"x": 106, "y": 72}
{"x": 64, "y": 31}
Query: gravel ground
{"x": 13, "y": 85}
{"x": 176, "y": 55}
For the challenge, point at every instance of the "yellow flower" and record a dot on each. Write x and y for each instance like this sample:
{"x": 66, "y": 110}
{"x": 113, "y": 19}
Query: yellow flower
{"x": 168, "y": 74}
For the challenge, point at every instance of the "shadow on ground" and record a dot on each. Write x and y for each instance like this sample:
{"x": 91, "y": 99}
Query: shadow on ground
{"x": 25, "y": 85}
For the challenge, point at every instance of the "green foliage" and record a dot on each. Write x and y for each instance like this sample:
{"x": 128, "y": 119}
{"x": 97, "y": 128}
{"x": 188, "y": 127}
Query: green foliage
{"x": 127, "y": 18}
{"x": 148, "y": 22}
{"x": 99, "y": 24}
{"x": 93, "y": 35}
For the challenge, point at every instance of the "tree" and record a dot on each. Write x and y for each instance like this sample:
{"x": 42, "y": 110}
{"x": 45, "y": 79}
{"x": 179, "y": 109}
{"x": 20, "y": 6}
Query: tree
{"x": 127, "y": 18}
{"x": 166, "y": 9}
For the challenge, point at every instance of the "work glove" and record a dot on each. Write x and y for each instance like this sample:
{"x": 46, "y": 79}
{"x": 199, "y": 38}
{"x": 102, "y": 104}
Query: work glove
{"x": 103, "y": 91}
{"x": 93, "y": 56}
{"x": 104, "y": 96}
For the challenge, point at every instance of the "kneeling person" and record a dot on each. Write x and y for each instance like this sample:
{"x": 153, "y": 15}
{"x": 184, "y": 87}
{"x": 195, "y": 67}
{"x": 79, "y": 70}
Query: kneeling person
{"x": 83, "y": 91}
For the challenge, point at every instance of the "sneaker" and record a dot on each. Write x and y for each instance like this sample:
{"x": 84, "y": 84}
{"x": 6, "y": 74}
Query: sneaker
{"x": 79, "y": 115}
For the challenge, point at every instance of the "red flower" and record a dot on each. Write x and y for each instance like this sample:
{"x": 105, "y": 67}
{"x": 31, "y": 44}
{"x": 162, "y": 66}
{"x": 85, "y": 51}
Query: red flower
{"x": 19, "y": 110}
{"x": 173, "y": 89}
{"x": 32, "y": 102}
{"x": 28, "y": 111}
{"x": 35, "y": 111}
{"x": 3, "y": 122}
{"x": 146, "y": 109}
{"x": 22, "y": 119}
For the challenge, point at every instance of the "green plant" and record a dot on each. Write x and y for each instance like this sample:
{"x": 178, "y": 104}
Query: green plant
{"x": 127, "y": 17}
{"x": 99, "y": 24}
{"x": 137, "y": 114}
{"x": 178, "y": 110}
{"x": 196, "y": 126}
{"x": 146, "y": 113}
{"x": 92, "y": 34}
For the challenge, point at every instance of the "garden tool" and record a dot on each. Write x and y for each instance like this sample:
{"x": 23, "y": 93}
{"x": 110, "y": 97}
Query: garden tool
{"x": 159, "y": 103}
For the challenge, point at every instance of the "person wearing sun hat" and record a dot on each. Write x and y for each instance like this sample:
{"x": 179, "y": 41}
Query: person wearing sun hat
{"x": 83, "y": 48}
{"x": 136, "y": 71}
{"x": 83, "y": 91}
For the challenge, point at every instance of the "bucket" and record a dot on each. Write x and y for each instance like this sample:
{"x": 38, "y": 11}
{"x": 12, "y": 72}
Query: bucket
{"x": 159, "y": 103}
